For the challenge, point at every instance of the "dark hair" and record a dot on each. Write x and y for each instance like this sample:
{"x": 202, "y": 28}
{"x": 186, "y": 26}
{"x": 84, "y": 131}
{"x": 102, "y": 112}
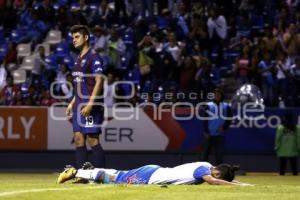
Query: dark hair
{"x": 287, "y": 121}
{"x": 84, "y": 30}
{"x": 219, "y": 90}
{"x": 227, "y": 172}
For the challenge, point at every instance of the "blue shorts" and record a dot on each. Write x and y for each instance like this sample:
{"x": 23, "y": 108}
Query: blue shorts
{"x": 87, "y": 125}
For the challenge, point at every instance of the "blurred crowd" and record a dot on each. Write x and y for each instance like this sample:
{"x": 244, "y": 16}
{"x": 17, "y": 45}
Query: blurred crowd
{"x": 161, "y": 46}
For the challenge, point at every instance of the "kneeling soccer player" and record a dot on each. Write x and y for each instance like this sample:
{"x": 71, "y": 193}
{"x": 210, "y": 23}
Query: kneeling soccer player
{"x": 190, "y": 173}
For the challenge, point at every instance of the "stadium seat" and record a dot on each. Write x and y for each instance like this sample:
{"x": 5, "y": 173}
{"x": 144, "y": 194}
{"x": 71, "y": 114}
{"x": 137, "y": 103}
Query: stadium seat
{"x": 23, "y": 50}
{"x": 46, "y": 47}
{"x": 92, "y": 39}
{"x": 52, "y": 61}
{"x": 3, "y": 50}
{"x": 53, "y": 37}
{"x": 69, "y": 61}
{"x": 12, "y": 66}
{"x": 75, "y": 6}
{"x": 93, "y": 7}
{"x": 62, "y": 50}
{"x": 28, "y": 63}
{"x": 134, "y": 76}
{"x": 258, "y": 22}
{"x": 19, "y": 76}
{"x": 16, "y": 35}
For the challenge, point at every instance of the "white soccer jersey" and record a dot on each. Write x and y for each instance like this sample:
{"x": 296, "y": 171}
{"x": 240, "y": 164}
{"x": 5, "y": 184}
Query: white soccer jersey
{"x": 189, "y": 173}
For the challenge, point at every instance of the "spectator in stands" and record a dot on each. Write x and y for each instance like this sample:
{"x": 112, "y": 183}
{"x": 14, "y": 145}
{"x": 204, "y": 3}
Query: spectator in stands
{"x": 101, "y": 44}
{"x": 146, "y": 7}
{"x": 63, "y": 19}
{"x": 144, "y": 60}
{"x": 105, "y": 14}
{"x": 183, "y": 19}
{"x": 283, "y": 66}
{"x": 18, "y": 99}
{"x": 203, "y": 79}
{"x": 47, "y": 99}
{"x": 120, "y": 9}
{"x": 3, "y": 75}
{"x": 62, "y": 87}
{"x": 271, "y": 42}
{"x": 287, "y": 143}
{"x": 109, "y": 98}
{"x": 9, "y": 92}
{"x": 243, "y": 66}
{"x": 265, "y": 67}
{"x": 187, "y": 73}
{"x": 116, "y": 48}
{"x": 101, "y": 39}
{"x": 47, "y": 13}
{"x": 36, "y": 31}
{"x": 295, "y": 80}
{"x": 198, "y": 33}
{"x": 214, "y": 129}
{"x": 39, "y": 66}
{"x": 291, "y": 42}
{"x": 217, "y": 32}
{"x": 163, "y": 65}
{"x": 11, "y": 54}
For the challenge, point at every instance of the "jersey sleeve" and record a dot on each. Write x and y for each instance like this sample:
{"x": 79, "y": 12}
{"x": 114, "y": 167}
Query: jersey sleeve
{"x": 97, "y": 65}
{"x": 201, "y": 171}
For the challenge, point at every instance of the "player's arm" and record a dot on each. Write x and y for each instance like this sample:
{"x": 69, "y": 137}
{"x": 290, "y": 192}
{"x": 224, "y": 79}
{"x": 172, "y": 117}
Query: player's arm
{"x": 70, "y": 108}
{"x": 214, "y": 181}
{"x": 96, "y": 91}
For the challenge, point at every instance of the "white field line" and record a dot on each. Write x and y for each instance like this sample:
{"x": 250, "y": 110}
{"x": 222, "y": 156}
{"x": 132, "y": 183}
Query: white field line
{"x": 48, "y": 189}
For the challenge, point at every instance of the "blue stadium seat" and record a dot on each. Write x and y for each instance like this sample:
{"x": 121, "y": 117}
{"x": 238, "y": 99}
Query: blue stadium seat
{"x": 56, "y": 6}
{"x": 52, "y": 61}
{"x": 128, "y": 37}
{"x": 92, "y": 39}
{"x": 216, "y": 75}
{"x": 3, "y": 50}
{"x": 16, "y": 35}
{"x": 69, "y": 61}
{"x": 62, "y": 49}
{"x": 93, "y": 6}
{"x": 257, "y": 22}
{"x": 134, "y": 76}
{"x": 75, "y": 6}
{"x": 37, "y": 5}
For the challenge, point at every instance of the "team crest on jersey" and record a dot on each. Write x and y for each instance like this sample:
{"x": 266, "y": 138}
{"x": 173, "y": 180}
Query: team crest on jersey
{"x": 135, "y": 180}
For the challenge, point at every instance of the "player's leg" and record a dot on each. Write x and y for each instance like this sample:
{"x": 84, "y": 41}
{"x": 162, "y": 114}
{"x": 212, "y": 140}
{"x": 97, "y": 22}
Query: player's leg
{"x": 81, "y": 151}
{"x": 293, "y": 163}
{"x": 282, "y": 165}
{"x": 206, "y": 147}
{"x": 219, "y": 149}
{"x": 98, "y": 158}
{"x": 99, "y": 175}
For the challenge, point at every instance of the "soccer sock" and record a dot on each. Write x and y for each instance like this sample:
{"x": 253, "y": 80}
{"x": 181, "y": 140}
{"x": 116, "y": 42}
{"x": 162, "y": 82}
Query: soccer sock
{"x": 90, "y": 174}
{"x": 81, "y": 156}
{"x": 98, "y": 156}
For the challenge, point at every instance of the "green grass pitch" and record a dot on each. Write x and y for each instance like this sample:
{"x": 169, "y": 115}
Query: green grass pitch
{"x": 42, "y": 187}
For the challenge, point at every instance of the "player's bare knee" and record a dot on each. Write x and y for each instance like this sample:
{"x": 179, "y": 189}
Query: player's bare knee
{"x": 79, "y": 140}
{"x": 93, "y": 141}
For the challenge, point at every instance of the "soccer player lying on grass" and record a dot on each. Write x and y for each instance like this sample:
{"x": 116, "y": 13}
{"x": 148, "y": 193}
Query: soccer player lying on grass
{"x": 190, "y": 173}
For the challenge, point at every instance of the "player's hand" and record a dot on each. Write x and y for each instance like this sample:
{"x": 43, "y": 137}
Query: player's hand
{"x": 86, "y": 110}
{"x": 69, "y": 111}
